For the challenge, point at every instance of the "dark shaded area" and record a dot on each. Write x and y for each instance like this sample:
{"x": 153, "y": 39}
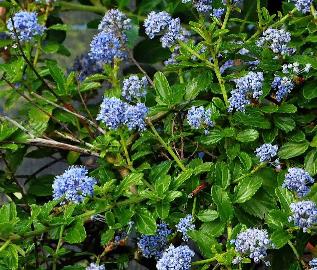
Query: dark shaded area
{"x": 274, "y": 5}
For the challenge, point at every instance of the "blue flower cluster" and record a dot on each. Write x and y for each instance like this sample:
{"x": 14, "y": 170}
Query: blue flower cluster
{"x": 114, "y": 21}
{"x": 110, "y": 42}
{"x": 106, "y": 46}
{"x": 74, "y": 184}
{"x": 85, "y": 66}
{"x": 161, "y": 23}
{"x": 26, "y": 26}
{"x": 266, "y": 152}
{"x": 253, "y": 243}
{"x": 304, "y": 214}
{"x": 94, "y": 266}
{"x": 184, "y": 225}
{"x": 198, "y": 117}
{"x": 313, "y": 264}
{"x": 246, "y": 87}
{"x": 154, "y": 245}
{"x": 283, "y": 85}
{"x": 133, "y": 87}
{"x": 303, "y": 5}
{"x": 298, "y": 180}
{"x": 178, "y": 258}
{"x": 114, "y": 113}
{"x": 277, "y": 40}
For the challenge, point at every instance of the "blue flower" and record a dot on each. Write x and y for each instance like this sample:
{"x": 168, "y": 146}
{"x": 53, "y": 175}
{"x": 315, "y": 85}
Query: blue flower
{"x": 134, "y": 88}
{"x": 94, "y": 266}
{"x": 114, "y": 20}
{"x": 266, "y": 152}
{"x": 253, "y": 243}
{"x": 134, "y": 116}
{"x": 85, "y": 66}
{"x": 304, "y": 214}
{"x": 277, "y": 40}
{"x": 184, "y": 225}
{"x": 297, "y": 180}
{"x": 249, "y": 86}
{"x": 26, "y": 26}
{"x": 112, "y": 112}
{"x": 302, "y": 5}
{"x": 313, "y": 264}
{"x": 74, "y": 184}
{"x": 226, "y": 65}
{"x": 163, "y": 24}
{"x": 198, "y": 117}
{"x": 106, "y": 46}
{"x": 154, "y": 245}
{"x": 178, "y": 258}
{"x": 283, "y": 85}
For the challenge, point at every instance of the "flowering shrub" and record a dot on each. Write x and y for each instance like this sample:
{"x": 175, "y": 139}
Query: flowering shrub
{"x": 188, "y": 130}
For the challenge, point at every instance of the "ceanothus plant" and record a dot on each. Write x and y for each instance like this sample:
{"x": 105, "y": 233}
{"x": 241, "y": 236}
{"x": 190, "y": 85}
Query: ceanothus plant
{"x": 183, "y": 137}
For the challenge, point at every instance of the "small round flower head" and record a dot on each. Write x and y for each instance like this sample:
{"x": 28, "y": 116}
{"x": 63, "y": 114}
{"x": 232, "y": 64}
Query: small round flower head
{"x": 162, "y": 23}
{"x": 203, "y": 6}
{"x": 176, "y": 258}
{"x": 114, "y": 20}
{"x": 277, "y": 40}
{"x": 198, "y": 117}
{"x": 238, "y": 101}
{"x": 313, "y": 264}
{"x": 26, "y": 26}
{"x": 253, "y": 243}
{"x": 154, "y": 245}
{"x": 156, "y": 22}
{"x": 94, "y": 266}
{"x": 284, "y": 86}
{"x": 297, "y": 180}
{"x": 133, "y": 87}
{"x": 304, "y": 214}
{"x": 112, "y": 112}
{"x": 218, "y": 12}
{"x": 106, "y": 46}
{"x": 85, "y": 66}
{"x": 74, "y": 184}
{"x": 134, "y": 116}
{"x": 266, "y": 152}
{"x": 302, "y": 5}
{"x": 184, "y": 225}
{"x": 172, "y": 60}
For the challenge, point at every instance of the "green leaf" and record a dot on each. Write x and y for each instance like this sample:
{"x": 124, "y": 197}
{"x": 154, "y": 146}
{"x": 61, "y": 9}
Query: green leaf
{"x": 162, "y": 184}
{"x": 277, "y": 219}
{"x": 311, "y": 162}
{"x": 290, "y": 150}
{"x": 128, "y": 181}
{"x": 110, "y": 218}
{"x": 287, "y": 108}
{"x": 145, "y": 222}
{"x": 246, "y": 160}
{"x": 86, "y": 86}
{"x": 248, "y": 135}
{"x": 252, "y": 119}
{"x": 280, "y": 238}
{"x": 207, "y": 215}
{"x": 42, "y": 185}
{"x": 204, "y": 241}
{"x": 6, "y": 130}
{"x": 285, "y": 197}
{"x": 76, "y": 234}
{"x": 259, "y": 205}
{"x": 222, "y": 174}
{"x": 163, "y": 88}
{"x": 247, "y": 188}
{"x": 107, "y": 236}
{"x": 213, "y": 137}
{"x": 58, "y": 76}
{"x": 284, "y": 123}
{"x": 310, "y": 90}
{"x": 222, "y": 200}
{"x": 162, "y": 210}
{"x": 181, "y": 178}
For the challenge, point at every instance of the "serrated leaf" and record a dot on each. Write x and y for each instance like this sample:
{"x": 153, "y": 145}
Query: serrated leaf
{"x": 280, "y": 238}
{"x": 286, "y": 124}
{"x": 259, "y": 205}
{"x": 213, "y": 137}
{"x": 248, "y": 135}
{"x": 222, "y": 174}
{"x": 246, "y": 160}
{"x": 162, "y": 184}
{"x": 290, "y": 150}
{"x": 76, "y": 234}
{"x": 181, "y": 178}
{"x": 311, "y": 163}
{"x": 163, "y": 88}
{"x": 128, "y": 181}
{"x": 285, "y": 197}
{"x": 145, "y": 222}
{"x": 162, "y": 210}
{"x": 276, "y": 219}
{"x": 107, "y": 236}
{"x": 247, "y": 188}
{"x": 58, "y": 76}
{"x": 222, "y": 200}
{"x": 207, "y": 215}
